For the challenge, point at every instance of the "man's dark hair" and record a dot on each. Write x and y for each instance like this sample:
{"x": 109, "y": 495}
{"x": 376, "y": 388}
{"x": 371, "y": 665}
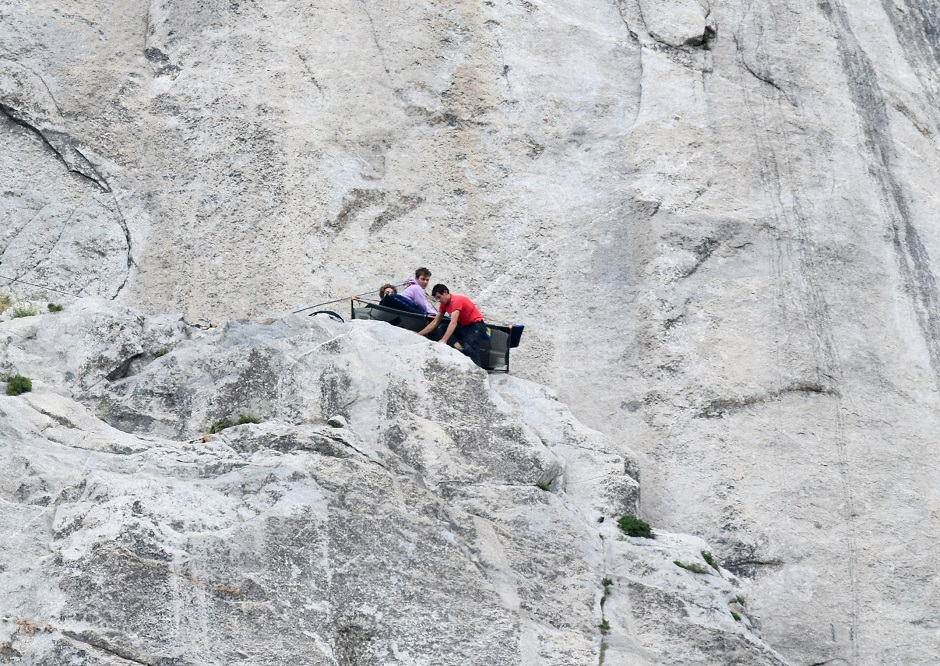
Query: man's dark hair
{"x": 422, "y": 272}
{"x": 440, "y": 289}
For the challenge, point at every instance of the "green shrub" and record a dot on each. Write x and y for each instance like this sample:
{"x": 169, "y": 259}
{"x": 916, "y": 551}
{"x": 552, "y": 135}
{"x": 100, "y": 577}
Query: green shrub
{"x": 740, "y": 599}
{"x": 693, "y": 567}
{"x": 54, "y": 307}
{"x": 736, "y": 616}
{"x": 160, "y": 352}
{"x": 23, "y": 311}
{"x": 222, "y": 424}
{"x": 710, "y": 559}
{"x": 635, "y": 527}
{"x": 544, "y": 485}
{"x": 18, "y": 384}
{"x": 604, "y": 627}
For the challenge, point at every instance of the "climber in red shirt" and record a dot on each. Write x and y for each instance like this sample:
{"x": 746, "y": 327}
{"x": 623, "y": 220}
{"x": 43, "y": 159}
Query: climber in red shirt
{"x": 466, "y": 323}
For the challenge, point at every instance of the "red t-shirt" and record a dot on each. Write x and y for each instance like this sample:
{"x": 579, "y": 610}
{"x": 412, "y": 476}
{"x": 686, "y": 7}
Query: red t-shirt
{"x": 468, "y": 311}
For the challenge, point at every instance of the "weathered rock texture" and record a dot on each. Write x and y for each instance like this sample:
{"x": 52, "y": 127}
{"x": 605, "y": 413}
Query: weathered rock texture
{"x": 717, "y": 219}
{"x": 357, "y": 522}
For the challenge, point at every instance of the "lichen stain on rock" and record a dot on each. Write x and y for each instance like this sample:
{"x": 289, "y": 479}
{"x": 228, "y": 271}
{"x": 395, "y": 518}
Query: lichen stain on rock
{"x": 335, "y": 395}
{"x": 256, "y": 385}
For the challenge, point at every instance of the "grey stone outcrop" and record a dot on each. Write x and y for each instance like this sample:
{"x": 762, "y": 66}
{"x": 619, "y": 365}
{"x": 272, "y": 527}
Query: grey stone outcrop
{"x": 386, "y": 503}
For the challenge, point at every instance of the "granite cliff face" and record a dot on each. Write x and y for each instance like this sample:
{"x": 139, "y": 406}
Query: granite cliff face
{"x": 350, "y": 519}
{"x": 717, "y": 219}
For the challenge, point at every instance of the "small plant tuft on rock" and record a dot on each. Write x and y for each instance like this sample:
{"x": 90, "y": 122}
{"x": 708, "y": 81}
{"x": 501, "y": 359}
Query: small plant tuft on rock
{"x": 736, "y": 616}
{"x": 710, "y": 559}
{"x": 635, "y": 527}
{"x": 160, "y": 352}
{"x": 604, "y": 627}
{"x": 544, "y": 485}
{"x": 691, "y": 566}
{"x": 707, "y": 37}
{"x": 18, "y": 384}
{"x": 23, "y": 311}
{"x": 607, "y": 582}
{"x": 54, "y": 307}
{"x": 740, "y": 599}
{"x": 222, "y": 424}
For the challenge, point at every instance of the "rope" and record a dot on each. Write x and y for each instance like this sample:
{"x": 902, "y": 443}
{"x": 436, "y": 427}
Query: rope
{"x": 311, "y": 307}
{"x": 39, "y": 286}
{"x": 337, "y": 300}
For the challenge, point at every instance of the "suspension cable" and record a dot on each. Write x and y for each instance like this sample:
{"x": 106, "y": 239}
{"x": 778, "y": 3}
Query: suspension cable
{"x": 338, "y": 300}
{"x": 38, "y": 286}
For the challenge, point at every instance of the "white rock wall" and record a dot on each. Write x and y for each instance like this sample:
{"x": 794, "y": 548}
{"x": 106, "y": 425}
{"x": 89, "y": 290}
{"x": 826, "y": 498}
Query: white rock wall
{"x": 717, "y": 221}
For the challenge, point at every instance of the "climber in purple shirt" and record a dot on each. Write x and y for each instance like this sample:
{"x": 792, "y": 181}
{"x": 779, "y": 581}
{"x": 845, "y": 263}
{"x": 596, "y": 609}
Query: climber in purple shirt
{"x": 414, "y": 292}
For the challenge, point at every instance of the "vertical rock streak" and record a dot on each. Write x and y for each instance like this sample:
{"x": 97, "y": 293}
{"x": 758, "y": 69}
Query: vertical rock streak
{"x": 912, "y": 256}
{"x": 918, "y": 28}
{"x": 802, "y": 302}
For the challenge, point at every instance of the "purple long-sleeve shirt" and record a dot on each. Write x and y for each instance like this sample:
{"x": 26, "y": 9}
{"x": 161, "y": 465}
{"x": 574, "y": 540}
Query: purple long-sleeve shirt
{"x": 414, "y": 293}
